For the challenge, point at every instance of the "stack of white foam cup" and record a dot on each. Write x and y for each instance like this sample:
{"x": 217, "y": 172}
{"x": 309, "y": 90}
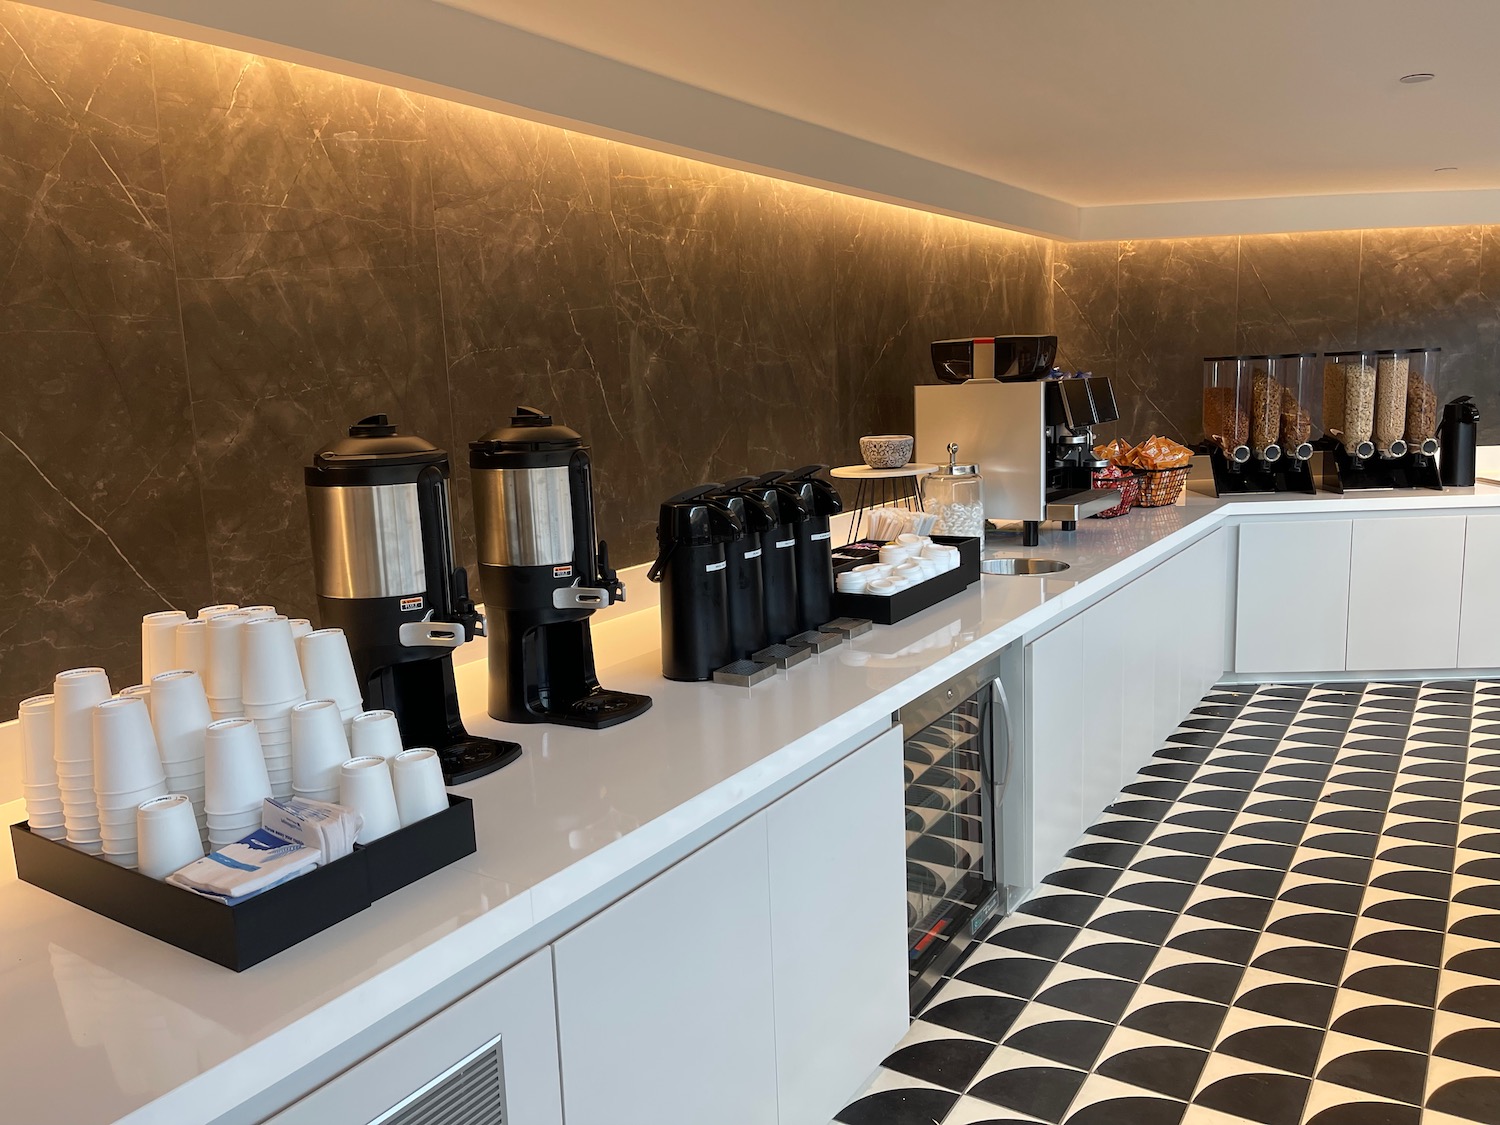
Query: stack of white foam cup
{"x": 270, "y": 685}
{"x": 127, "y": 771}
{"x": 168, "y": 835}
{"x": 236, "y": 781}
{"x": 159, "y": 642}
{"x": 190, "y": 646}
{"x": 74, "y": 695}
{"x": 44, "y": 808}
{"x": 221, "y": 680}
{"x": 328, "y": 672}
{"x": 319, "y": 748}
{"x": 180, "y": 718}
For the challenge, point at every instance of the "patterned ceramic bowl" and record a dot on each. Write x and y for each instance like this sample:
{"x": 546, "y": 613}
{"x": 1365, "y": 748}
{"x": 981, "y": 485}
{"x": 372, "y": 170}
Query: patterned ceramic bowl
{"x": 886, "y": 451}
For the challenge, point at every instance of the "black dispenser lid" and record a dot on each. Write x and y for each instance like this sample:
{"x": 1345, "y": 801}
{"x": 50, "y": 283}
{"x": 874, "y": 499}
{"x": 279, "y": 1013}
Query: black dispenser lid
{"x": 532, "y": 440}
{"x": 818, "y": 496}
{"x": 696, "y": 518}
{"x": 1462, "y": 409}
{"x": 766, "y": 498}
{"x": 373, "y": 453}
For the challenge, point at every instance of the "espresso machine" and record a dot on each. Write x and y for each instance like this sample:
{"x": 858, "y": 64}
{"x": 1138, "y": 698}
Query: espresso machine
{"x": 1032, "y": 439}
{"x": 382, "y": 541}
{"x": 542, "y": 576}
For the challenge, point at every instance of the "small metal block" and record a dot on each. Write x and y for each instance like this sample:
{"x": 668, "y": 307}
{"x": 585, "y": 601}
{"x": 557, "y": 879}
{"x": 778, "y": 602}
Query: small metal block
{"x": 744, "y": 673}
{"x": 783, "y": 656}
{"x": 850, "y": 627}
{"x": 817, "y": 640}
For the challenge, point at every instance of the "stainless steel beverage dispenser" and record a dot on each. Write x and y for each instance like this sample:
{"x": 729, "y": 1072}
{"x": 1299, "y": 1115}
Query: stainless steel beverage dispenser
{"x": 541, "y": 575}
{"x": 382, "y": 541}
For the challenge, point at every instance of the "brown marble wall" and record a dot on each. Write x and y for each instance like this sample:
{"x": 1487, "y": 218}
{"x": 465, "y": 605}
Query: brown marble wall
{"x": 1147, "y": 312}
{"x": 211, "y": 263}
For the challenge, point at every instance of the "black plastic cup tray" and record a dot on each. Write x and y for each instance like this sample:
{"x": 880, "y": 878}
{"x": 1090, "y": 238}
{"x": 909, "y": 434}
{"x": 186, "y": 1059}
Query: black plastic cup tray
{"x": 249, "y": 932}
{"x": 924, "y": 595}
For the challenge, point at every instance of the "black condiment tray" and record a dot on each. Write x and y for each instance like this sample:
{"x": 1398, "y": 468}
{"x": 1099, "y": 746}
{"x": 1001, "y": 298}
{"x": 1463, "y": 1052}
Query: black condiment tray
{"x": 248, "y": 932}
{"x": 924, "y": 595}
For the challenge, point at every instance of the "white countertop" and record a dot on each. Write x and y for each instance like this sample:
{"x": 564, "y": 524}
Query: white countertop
{"x": 104, "y": 1024}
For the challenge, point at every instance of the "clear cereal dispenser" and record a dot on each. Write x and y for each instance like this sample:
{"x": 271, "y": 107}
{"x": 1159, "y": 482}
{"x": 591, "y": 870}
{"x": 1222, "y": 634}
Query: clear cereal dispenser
{"x": 1265, "y": 410}
{"x": 1226, "y": 406}
{"x": 1421, "y": 400}
{"x": 1349, "y": 401}
{"x": 1391, "y": 376}
{"x": 1297, "y": 377}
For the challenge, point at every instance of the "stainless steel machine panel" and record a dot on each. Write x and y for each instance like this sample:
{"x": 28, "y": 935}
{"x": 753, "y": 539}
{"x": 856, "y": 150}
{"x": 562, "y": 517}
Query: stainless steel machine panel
{"x": 1001, "y": 427}
{"x": 525, "y": 516}
{"x": 367, "y": 541}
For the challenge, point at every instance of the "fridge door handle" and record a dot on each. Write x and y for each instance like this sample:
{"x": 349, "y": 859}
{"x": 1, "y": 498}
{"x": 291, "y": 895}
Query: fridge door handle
{"x": 1003, "y": 699}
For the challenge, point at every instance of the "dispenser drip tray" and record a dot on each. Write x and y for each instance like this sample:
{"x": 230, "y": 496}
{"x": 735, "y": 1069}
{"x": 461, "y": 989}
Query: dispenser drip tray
{"x": 745, "y": 673}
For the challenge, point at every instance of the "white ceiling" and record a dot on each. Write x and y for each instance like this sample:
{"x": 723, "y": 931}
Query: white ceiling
{"x": 1094, "y": 102}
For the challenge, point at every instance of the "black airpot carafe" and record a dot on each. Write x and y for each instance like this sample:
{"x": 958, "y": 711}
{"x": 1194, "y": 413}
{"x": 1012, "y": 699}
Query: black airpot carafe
{"x": 691, "y": 534}
{"x": 819, "y": 501}
{"x": 773, "y": 514}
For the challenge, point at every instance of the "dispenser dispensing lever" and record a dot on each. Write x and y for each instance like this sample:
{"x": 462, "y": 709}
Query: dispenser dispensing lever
{"x": 607, "y": 590}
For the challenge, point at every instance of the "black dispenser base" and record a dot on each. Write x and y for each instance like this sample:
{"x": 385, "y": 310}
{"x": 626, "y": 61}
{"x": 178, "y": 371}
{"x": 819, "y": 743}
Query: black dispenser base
{"x": 424, "y": 697}
{"x": 1248, "y": 479}
{"x": 1343, "y": 473}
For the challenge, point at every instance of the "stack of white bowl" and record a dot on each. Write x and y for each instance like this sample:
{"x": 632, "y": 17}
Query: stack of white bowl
{"x": 319, "y": 748}
{"x": 74, "y": 694}
{"x": 44, "y": 807}
{"x": 159, "y": 642}
{"x": 237, "y": 784}
{"x": 328, "y": 672}
{"x": 180, "y": 718}
{"x": 127, "y": 771}
{"x": 271, "y": 685}
{"x": 221, "y": 681}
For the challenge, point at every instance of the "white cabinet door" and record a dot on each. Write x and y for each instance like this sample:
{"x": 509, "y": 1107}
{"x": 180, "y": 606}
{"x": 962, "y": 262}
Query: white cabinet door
{"x": 1202, "y": 577}
{"x": 1479, "y": 619}
{"x": 517, "y": 1006}
{"x": 1405, "y": 585}
{"x": 664, "y": 1000}
{"x": 1056, "y": 745}
{"x": 1292, "y": 608}
{"x": 838, "y": 930}
{"x": 1138, "y": 615}
{"x": 1106, "y": 663}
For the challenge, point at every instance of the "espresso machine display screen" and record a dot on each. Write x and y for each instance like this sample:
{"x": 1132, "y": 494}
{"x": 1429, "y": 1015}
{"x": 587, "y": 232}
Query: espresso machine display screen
{"x": 382, "y": 537}
{"x": 542, "y": 575}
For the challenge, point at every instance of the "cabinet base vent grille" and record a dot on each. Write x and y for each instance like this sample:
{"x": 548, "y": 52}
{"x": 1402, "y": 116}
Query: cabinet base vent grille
{"x": 471, "y": 1093}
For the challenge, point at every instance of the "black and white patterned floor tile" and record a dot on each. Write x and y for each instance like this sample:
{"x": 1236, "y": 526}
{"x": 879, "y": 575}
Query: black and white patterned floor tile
{"x": 1291, "y": 917}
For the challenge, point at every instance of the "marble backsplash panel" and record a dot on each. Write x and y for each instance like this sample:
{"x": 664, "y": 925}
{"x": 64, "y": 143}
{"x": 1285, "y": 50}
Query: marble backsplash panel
{"x": 1148, "y": 312}
{"x": 212, "y": 263}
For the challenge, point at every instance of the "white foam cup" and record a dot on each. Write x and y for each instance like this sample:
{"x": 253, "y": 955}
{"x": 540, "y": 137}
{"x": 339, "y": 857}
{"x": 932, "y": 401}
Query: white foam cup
{"x": 180, "y": 716}
{"x": 167, "y": 834}
{"x": 159, "y": 642}
{"x": 191, "y": 646}
{"x": 319, "y": 747}
{"x": 269, "y": 672}
{"x": 125, "y": 757}
{"x": 328, "y": 669}
{"x": 365, "y": 786}
{"x": 35, "y": 719}
{"x": 234, "y": 770}
{"x": 418, "y": 779}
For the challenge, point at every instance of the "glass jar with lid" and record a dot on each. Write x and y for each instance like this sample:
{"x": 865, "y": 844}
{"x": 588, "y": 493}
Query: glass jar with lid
{"x": 955, "y": 494}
